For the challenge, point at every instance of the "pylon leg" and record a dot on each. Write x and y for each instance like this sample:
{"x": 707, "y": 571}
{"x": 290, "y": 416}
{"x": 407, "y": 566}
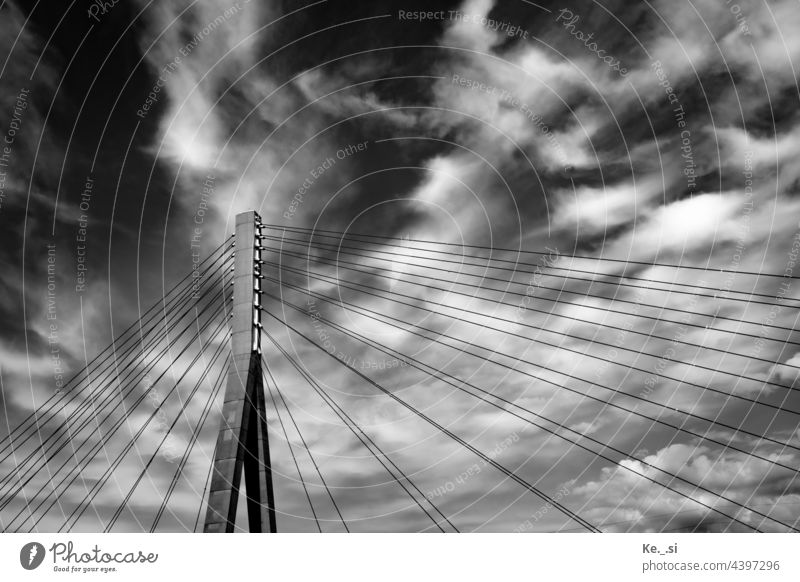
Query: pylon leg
{"x": 242, "y": 445}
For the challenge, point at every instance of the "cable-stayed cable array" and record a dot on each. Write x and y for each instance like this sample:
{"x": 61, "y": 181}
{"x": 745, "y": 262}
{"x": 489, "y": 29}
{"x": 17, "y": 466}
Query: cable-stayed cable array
{"x": 96, "y": 452}
{"x": 382, "y": 282}
{"x": 128, "y": 393}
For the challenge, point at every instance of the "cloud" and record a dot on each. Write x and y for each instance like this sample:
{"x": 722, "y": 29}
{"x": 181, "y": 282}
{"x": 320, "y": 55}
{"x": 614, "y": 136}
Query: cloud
{"x": 468, "y": 31}
{"x": 787, "y": 372}
{"x": 626, "y": 501}
{"x": 692, "y": 223}
{"x": 591, "y": 211}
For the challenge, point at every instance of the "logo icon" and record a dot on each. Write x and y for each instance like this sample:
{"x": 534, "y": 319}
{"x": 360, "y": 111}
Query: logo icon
{"x": 31, "y": 555}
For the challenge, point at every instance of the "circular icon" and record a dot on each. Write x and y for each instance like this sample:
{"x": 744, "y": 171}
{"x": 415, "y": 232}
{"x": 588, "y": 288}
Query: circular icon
{"x": 31, "y": 555}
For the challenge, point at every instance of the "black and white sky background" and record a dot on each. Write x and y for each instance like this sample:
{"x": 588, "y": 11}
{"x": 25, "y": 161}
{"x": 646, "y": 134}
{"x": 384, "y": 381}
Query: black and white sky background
{"x": 498, "y": 128}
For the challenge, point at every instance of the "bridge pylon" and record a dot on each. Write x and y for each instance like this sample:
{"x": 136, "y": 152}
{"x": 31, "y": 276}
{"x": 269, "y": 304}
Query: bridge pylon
{"x": 242, "y": 443}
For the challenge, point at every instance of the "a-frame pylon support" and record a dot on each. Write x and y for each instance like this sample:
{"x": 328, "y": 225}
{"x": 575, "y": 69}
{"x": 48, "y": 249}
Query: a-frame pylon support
{"x": 242, "y": 445}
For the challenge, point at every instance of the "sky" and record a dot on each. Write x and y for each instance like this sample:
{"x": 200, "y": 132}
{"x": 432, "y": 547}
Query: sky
{"x": 655, "y": 133}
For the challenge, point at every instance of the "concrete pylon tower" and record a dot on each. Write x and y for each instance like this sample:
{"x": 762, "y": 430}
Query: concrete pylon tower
{"x": 242, "y": 445}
